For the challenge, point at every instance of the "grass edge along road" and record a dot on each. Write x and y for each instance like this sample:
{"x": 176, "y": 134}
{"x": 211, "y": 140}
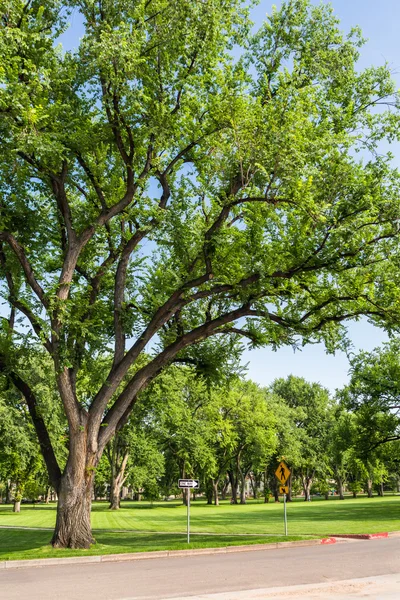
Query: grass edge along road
{"x": 28, "y": 544}
{"x": 137, "y": 527}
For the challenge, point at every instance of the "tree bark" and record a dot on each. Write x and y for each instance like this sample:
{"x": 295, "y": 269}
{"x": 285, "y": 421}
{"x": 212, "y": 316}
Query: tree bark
{"x": 115, "y": 497}
{"x": 118, "y": 481}
{"x": 209, "y": 491}
{"x": 17, "y": 506}
{"x": 215, "y": 490}
{"x": 275, "y": 490}
{"x": 73, "y": 526}
{"x": 224, "y": 488}
{"x": 75, "y": 490}
{"x": 234, "y": 487}
{"x": 307, "y": 483}
{"x": 339, "y": 482}
{"x": 242, "y": 487}
{"x": 255, "y": 482}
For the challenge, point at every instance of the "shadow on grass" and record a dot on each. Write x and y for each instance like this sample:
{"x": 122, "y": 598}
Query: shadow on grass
{"x": 19, "y": 540}
{"x": 101, "y": 507}
{"x": 8, "y": 508}
{"x": 18, "y": 544}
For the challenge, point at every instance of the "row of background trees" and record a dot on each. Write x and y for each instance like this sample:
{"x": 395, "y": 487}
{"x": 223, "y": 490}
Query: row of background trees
{"x": 230, "y": 433}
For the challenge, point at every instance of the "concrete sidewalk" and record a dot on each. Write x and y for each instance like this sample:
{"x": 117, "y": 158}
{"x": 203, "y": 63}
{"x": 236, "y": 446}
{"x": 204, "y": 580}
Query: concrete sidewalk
{"x": 384, "y": 587}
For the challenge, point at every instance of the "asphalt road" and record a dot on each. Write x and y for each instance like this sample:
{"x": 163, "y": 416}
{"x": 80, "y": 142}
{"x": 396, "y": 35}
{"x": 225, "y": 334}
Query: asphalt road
{"x": 195, "y": 576}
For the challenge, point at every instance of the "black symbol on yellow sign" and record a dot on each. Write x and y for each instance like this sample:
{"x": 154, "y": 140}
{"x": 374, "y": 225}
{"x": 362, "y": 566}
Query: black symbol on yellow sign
{"x": 282, "y": 472}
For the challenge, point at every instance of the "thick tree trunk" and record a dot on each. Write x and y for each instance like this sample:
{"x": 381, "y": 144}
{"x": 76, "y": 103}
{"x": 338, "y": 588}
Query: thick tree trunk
{"x": 17, "y": 506}
{"x": 74, "y": 490}
{"x": 73, "y": 527}
{"x": 115, "y": 497}
{"x": 48, "y": 495}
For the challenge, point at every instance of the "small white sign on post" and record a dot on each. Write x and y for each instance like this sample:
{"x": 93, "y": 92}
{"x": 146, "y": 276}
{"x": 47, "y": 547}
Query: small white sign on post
{"x": 188, "y": 484}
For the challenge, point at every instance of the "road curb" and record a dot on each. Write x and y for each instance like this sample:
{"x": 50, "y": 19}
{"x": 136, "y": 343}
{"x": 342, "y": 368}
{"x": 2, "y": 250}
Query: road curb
{"x": 394, "y": 533}
{"x": 45, "y": 562}
{"x": 363, "y": 536}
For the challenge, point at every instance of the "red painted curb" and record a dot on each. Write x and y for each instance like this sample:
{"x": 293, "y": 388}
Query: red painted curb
{"x": 330, "y": 540}
{"x": 363, "y": 536}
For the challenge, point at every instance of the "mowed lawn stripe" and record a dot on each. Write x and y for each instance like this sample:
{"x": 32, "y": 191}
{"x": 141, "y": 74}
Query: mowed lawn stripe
{"x": 319, "y": 517}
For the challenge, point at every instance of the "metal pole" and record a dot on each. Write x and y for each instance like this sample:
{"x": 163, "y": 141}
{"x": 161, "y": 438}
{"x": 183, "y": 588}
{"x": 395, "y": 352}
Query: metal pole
{"x": 188, "y": 515}
{"x": 284, "y": 512}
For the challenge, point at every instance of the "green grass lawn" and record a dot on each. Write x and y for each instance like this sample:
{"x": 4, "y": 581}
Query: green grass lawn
{"x": 23, "y": 544}
{"x": 160, "y": 526}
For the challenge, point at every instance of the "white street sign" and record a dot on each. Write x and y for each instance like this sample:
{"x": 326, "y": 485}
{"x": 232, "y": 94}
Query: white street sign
{"x": 188, "y": 483}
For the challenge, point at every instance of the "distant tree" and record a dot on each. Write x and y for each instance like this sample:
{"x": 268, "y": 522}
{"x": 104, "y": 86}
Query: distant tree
{"x": 253, "y": 433}
{"x": 311, "y": 413}
{"x": 373, "y": 393}
{"x": 342, "y": 440}
{"x": 289, "y": 444}
{"x": 135, "y": 459}
{"x": 20, "y": 458}
{"x": 185, "y": 428}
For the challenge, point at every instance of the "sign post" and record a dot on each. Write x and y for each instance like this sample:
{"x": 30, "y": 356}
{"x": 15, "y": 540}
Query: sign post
{"x": 283, "y": 473}
{"x": 188, "y": 514}
{"x": 187, "y": 484}
{"x": 284, "y": 512}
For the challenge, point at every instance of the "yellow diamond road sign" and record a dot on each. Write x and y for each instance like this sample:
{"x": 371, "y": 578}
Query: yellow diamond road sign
{"x": 282, "y": 472}
{"x": 284, "y": 489}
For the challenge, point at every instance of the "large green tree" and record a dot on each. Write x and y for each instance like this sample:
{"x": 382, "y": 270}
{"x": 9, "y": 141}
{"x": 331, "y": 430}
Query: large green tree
{"x": 373, "y": 393}
{"x": 311, "y": 417}
{"x": 155, "y": 191}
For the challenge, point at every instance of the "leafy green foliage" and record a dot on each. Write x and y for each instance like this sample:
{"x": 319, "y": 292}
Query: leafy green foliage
{"x": 374, "y": 394}
{"x": 20, "y": 458}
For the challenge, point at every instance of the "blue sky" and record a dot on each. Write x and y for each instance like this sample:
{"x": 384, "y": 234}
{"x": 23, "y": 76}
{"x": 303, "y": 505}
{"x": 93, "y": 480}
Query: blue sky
{"x": 379, "y": 22}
